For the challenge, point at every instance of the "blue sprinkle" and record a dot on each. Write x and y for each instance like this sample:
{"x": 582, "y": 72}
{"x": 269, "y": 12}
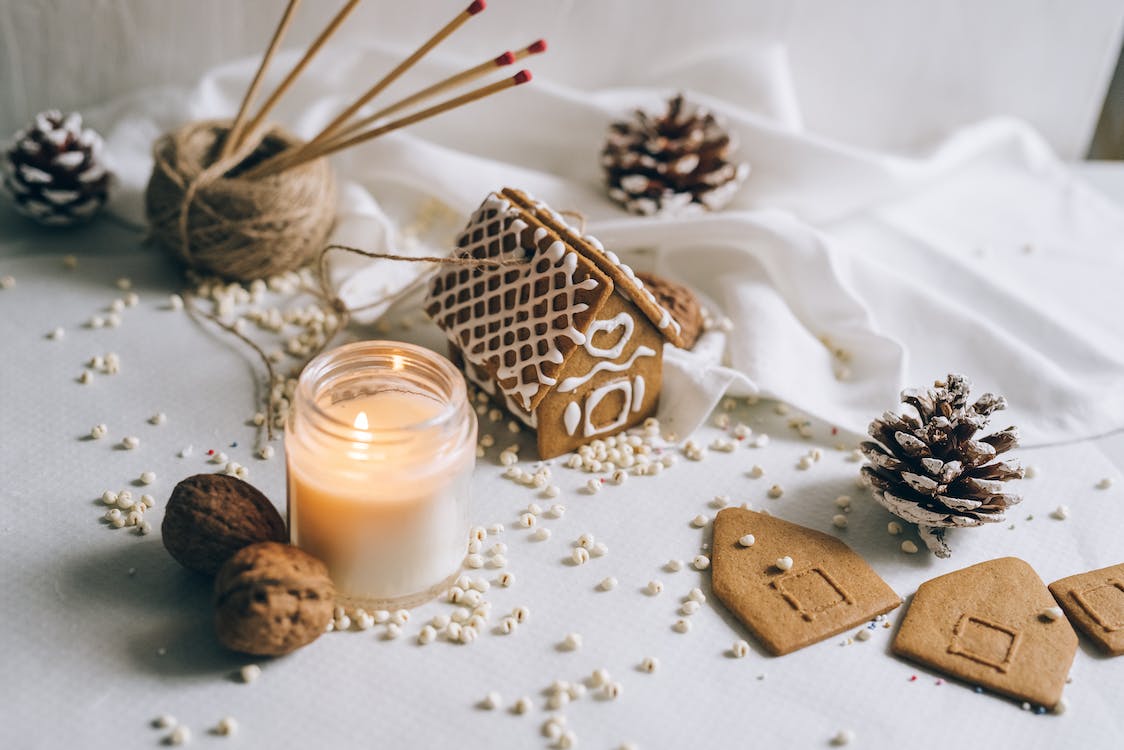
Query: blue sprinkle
{"x": 1040, "y": 710}
{"x": 234, "y": 444}
{"x": 978, "y": 689}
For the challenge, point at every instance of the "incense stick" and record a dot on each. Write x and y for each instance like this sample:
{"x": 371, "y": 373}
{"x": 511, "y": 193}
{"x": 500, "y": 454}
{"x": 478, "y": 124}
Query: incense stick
{"x": 235, "y": 134}
{"x": 273, "y": 166}
{"x": 299, "y": 67}
{"x": 507, "y": 58}
{"x": 447, "y": 30}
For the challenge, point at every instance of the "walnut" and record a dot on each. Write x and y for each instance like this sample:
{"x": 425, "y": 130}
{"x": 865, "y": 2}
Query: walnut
{"x": 271, "y": 599}
{"x": 680, "y": 301}
{"x": 211, "y": 516}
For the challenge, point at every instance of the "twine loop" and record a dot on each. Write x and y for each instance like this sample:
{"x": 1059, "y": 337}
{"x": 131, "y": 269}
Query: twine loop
{"x": 201, "y": 209}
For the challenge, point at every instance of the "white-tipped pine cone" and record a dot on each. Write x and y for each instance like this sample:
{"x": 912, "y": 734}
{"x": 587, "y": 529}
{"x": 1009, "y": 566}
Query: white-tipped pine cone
{"x": 54, "y": 171}
{"x": 932, "y": 471}
{"x": 671, "y": 164}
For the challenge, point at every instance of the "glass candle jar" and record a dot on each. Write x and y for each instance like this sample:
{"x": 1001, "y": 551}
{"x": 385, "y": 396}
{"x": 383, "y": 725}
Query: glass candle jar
{"x": 380, "y": 447}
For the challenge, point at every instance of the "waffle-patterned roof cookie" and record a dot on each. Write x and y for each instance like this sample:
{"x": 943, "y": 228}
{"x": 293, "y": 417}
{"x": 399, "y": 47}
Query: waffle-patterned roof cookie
{"x": 559, "y": 330}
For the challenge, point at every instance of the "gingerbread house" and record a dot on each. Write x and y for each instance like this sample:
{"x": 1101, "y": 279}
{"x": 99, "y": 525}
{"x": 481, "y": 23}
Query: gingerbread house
{"x": 559, "y": 330}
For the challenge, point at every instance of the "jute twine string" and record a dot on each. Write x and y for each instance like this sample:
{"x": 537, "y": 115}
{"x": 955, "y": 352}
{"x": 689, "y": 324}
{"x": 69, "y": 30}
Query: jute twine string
{"x": 200, "y": 209}
{"x": 329, "y": 297}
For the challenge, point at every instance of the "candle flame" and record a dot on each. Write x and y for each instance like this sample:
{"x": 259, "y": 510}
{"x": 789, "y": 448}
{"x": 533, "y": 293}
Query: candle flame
{"x": 361, "y": 421}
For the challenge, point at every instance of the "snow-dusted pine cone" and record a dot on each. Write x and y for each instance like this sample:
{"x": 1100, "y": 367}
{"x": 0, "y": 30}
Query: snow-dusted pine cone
{"x": 672, "y": 163}
{"x": 54, "y": 171}
{"x": 931, "y": 471}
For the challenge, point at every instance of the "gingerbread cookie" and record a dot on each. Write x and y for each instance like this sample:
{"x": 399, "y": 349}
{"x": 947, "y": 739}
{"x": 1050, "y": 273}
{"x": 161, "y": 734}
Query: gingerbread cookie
{"x": 1094, "y": 602}
{"x": 680, "y": 301}
{"x": 565, "y": 335}
{"x": 991, "y": 625}
{"x": 790, "y": 585}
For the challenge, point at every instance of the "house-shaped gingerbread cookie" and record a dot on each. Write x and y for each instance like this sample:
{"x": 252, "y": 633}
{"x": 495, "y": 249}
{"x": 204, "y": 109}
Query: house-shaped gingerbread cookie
{"x": 557, "y": 328}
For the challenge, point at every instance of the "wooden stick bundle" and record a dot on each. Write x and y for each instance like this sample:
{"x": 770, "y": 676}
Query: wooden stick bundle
{"x": 272, "y": 166}
{"x": 285, "y": 84}
{"x": 471, "y": 74}
{"x": 344, "y": 131}
{"x": 234, "y": 137}
{"x": 321, "y": 146}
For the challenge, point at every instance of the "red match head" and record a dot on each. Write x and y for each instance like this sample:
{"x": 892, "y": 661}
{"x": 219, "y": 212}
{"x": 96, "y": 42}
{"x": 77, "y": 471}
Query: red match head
{"x": 507, "y": 58}
{"x": 476, "y": 7}
{"x": 537, "y": 47}
{"x": 522, "y": 77}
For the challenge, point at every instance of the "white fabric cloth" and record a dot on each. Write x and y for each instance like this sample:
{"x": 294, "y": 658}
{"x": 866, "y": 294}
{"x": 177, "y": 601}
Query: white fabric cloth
{"x": 982, "y": 256}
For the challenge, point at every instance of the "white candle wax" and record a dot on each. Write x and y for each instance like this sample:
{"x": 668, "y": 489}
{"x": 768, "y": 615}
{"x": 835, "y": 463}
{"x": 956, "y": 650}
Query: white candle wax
{"x": 382, "y": 498}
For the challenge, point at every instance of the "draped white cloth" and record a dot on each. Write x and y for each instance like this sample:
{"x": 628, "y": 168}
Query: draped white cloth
{"x": 848, "y": 273}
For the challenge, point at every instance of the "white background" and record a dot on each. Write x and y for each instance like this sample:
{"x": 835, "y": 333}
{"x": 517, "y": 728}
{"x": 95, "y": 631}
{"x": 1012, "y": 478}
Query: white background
{"x": 880, "y": 73}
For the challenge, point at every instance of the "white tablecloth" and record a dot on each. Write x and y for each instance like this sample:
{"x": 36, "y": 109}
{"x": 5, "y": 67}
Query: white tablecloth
{"x": 104, "y": 631}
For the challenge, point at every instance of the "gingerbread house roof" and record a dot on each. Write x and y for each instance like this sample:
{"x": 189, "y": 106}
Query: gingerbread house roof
{"x": 522, "y": 321}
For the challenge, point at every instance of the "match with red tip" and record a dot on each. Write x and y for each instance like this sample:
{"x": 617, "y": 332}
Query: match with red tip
{"x": 521, "y": 77}
{"x": 536, "y": 47}
{"x": 507, "y": 58}
{"x": 476, "y": 7}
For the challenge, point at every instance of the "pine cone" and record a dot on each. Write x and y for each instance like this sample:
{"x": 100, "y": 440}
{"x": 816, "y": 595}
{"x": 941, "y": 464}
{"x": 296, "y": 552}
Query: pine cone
{"x": 54, "y": 171}
{"x": 929, "y": 470}
{"x": 671, "y": 164}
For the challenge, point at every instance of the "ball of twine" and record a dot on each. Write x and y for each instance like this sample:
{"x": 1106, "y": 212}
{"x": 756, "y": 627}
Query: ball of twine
{"x": 216, "y": 221}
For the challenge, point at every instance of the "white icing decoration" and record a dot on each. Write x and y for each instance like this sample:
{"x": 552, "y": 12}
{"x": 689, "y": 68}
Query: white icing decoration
{"x": 637, "y": 392}
{"x": 622, "y": 320}
{"x": 570, "y": 384}
{"x": 596, "y": 396}
{"x": 571, "y": 417}
{"x": 511, "y": 327}
{"x": 634, "y": 286}
{"x": 488, "y": 386}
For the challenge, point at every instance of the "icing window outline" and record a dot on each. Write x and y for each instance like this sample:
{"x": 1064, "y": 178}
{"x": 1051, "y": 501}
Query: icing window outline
{"x": 597, "y": 395}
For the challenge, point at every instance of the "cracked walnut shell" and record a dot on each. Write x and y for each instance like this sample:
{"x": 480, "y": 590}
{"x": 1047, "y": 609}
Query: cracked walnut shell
{"x": 271, "y": 599}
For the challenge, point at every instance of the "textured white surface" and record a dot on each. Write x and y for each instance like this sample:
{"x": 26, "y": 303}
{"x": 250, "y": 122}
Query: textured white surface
{"x": 82, "y": 636}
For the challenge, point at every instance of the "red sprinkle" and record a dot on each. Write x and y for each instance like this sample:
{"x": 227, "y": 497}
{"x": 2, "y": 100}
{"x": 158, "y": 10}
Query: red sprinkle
{"x": 834, "y": 430}
{"x": 211, "y": 452}
{"x": 913, "y": 678}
